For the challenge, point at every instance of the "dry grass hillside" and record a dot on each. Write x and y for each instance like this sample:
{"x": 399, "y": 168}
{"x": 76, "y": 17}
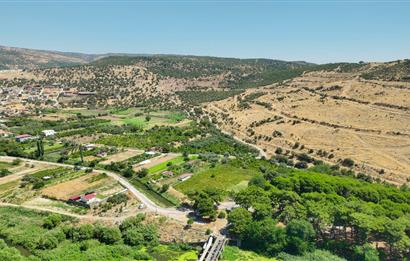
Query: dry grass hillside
{"x": 12, "y": 58}
{"x": 131, "y": 81}
{"x": 330, "y": 115}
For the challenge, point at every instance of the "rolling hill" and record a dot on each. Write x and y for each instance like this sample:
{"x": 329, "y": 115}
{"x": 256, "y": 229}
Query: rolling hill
{"x": 158, "y": 79}
{"x": 12, "y": 58}
{"x": 359, "y": 112}
{"x": 331, "y": 112}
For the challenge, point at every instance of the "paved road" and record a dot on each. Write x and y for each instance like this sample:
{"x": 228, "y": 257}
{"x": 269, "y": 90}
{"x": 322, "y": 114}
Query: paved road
{"x": 150, "y": 205}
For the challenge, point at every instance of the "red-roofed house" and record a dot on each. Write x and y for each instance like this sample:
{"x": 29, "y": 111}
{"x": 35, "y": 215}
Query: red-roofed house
{"x": 75, "y": 198}
{"x": 90, "y": 199}
{"x": 23, "y": 137}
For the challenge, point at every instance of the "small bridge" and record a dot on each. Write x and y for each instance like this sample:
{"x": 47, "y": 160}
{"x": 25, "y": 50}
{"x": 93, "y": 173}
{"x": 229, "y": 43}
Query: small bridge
{"x": 213, "y": 248}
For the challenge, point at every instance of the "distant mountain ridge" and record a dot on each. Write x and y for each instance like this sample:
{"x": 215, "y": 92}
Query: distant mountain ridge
{"x": 13, "y": 58}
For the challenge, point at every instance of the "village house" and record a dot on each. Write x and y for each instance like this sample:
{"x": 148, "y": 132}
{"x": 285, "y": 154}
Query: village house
{"x": 89, "y": 199}
{"x": 168, "y": 173}
{"x": 89, "y": 146}
{"x": 185, "y": 176}
{"x": 24, "y": 137}
{"x": 48, "y": 133}
{"x": 144, "y": 162}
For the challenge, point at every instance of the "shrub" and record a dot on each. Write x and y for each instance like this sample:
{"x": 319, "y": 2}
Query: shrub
{"x": 222, "y": 214}
{"x": 4, "y": 172}
{"x": 301, "y": 165}
{"x": 52, "y": 221}
{"x": 347, "y": 162}
{"x": 107, "y": 235}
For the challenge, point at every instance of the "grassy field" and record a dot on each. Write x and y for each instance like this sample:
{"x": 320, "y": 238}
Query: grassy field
{"x": 163, "y": 166}
{"x": 224, "y": 177}
{"x": 84, "y": 112}
{"x": 48, "y": 147}
{"x": 232, "y": 253}
{"x": 8, "y": 186}
{"x": 138, "y": 122}
{"x": 164, "y": 253}
{"x": 156, "y": 118}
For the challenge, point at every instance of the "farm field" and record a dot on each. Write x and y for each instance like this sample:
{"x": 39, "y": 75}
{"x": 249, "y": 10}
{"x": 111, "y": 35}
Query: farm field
{"x": 24, "y": 187}
{"x": 162, "y": 137}
{"x": 100, "y": 183}
{"x": 51, "y": 187}
{"x": 161, "y": 166}
{"x": 139, "y": 118}
{"x": 157, "y": 163}
{"x": 223, "y": 177}
{"x": 49, "y": 147}
{"x": 121, "y": 156}
{"x": 18, "y": 171}
{"x": 7, "y": 186}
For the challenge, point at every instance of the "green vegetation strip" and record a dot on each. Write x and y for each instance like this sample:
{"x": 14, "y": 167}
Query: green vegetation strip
{"x": 232, "y": 253}
{"x": 151, "y": 194}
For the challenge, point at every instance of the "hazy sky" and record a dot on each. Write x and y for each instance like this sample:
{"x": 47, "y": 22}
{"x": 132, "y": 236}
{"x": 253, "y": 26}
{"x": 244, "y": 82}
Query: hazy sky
{"x": 316, "y": 31}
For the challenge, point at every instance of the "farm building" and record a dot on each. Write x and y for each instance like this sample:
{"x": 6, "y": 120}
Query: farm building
{"x": 185, "y": 176}
{"x": 24, "y": 137}
{"x": 48, "y": 133}
{"x": 74, "y": 198}
{"x": 144, "y": 162}
{"x": 87, "y": 93}
{"x": 90, "y": 146}
{"x": 168, "y": 173}
{"x": 88, "y": 199}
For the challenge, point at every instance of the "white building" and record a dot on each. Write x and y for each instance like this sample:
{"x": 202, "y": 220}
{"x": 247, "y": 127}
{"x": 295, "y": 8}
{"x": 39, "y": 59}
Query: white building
{"x": 48, "y": 133}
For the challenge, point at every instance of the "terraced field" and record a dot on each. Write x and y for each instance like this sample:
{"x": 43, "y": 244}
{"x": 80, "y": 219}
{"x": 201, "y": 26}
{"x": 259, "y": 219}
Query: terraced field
{"x": 329, "y": 115}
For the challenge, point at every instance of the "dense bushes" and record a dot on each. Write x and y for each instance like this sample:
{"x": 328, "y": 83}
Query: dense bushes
{"x": 54, "y": 237}
{"x": 197, "y": 138}
{"x": 318, "y": 210}
{"x": 11, "y": 148}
